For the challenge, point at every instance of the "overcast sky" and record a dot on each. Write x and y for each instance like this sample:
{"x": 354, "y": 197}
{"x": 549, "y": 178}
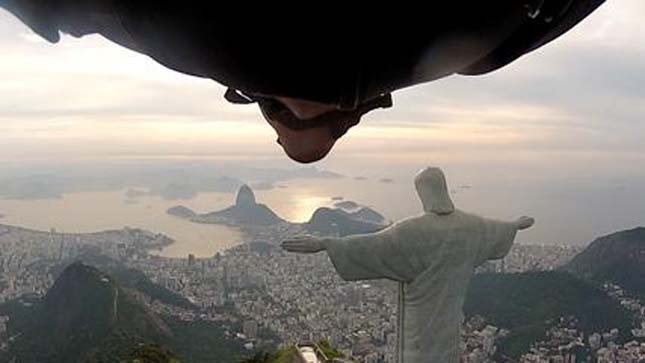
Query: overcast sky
{"x": 566, "y": 114}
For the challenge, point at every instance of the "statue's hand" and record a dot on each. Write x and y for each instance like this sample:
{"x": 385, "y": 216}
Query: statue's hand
{"x": 303, "y": 244}
{"x": 524, "y": 222}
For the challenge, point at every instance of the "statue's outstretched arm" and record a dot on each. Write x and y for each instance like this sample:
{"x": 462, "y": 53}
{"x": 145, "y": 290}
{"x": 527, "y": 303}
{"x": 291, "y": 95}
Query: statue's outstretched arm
{"x": 359, "y": 257}
{"x": 313, "y": 244}
{"x": 500, "y": 237}
{"x": 524, "y": 222}
{"x": 304, "y": 244}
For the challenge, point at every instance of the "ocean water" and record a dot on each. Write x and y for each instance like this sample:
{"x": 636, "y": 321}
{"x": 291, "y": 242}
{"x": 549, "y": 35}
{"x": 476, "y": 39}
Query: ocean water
{"x": 294, "y": 200}
{"x": 569, "y": 213}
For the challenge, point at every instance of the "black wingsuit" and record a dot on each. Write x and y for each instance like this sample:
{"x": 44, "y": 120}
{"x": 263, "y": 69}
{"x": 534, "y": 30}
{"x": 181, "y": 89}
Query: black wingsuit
{"x": 319, "y": 52}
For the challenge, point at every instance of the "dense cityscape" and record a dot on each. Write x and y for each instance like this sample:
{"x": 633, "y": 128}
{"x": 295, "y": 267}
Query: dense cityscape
{"x": 276, "y": 298}
{"x": 270, "y": 298}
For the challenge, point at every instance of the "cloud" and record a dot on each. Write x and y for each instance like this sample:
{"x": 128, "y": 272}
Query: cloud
{"x": 582, "y": 92}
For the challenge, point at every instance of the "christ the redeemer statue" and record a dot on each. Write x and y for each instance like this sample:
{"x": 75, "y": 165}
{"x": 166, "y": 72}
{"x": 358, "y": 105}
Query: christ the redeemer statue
{"x": 433, "y": 256}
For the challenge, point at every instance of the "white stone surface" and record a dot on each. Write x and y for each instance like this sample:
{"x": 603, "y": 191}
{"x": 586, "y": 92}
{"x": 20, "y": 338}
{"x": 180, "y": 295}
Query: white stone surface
{"x": 433, "y": 256}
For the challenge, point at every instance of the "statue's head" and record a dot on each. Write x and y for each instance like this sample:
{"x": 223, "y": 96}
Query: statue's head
{"x": 433, "y": 191}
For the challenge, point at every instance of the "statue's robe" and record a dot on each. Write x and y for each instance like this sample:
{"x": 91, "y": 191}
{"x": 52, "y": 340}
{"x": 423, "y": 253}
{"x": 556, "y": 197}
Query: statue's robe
{"x": 434, "y": 258}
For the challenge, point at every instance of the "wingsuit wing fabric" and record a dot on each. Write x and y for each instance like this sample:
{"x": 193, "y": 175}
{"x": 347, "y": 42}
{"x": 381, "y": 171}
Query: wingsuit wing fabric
{"x": 338, "y": 56}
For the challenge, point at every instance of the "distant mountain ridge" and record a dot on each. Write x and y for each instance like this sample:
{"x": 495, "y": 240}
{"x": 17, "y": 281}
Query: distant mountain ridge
{"x": 618, "y": 257}
{"x": 181, "y": 212}
{"x": 347, "y": 205}
{"x": 369, "y": 215}
{"x": 246, "y": 210}
{"x": 326, "y": 221}
{"x": 170, "y": 180}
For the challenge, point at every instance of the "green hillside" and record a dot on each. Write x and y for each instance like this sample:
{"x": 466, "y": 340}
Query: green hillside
{"x": 618, "y": 258}
{"x": 527, "y": 303}
{"x": 86, "y": 316}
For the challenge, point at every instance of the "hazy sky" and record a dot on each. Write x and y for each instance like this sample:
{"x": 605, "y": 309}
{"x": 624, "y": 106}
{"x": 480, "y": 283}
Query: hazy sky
{"x": 562, "y": 124}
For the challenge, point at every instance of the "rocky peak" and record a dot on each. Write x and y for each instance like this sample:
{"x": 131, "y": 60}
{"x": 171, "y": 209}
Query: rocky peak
{"x": 245, "y": 197}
